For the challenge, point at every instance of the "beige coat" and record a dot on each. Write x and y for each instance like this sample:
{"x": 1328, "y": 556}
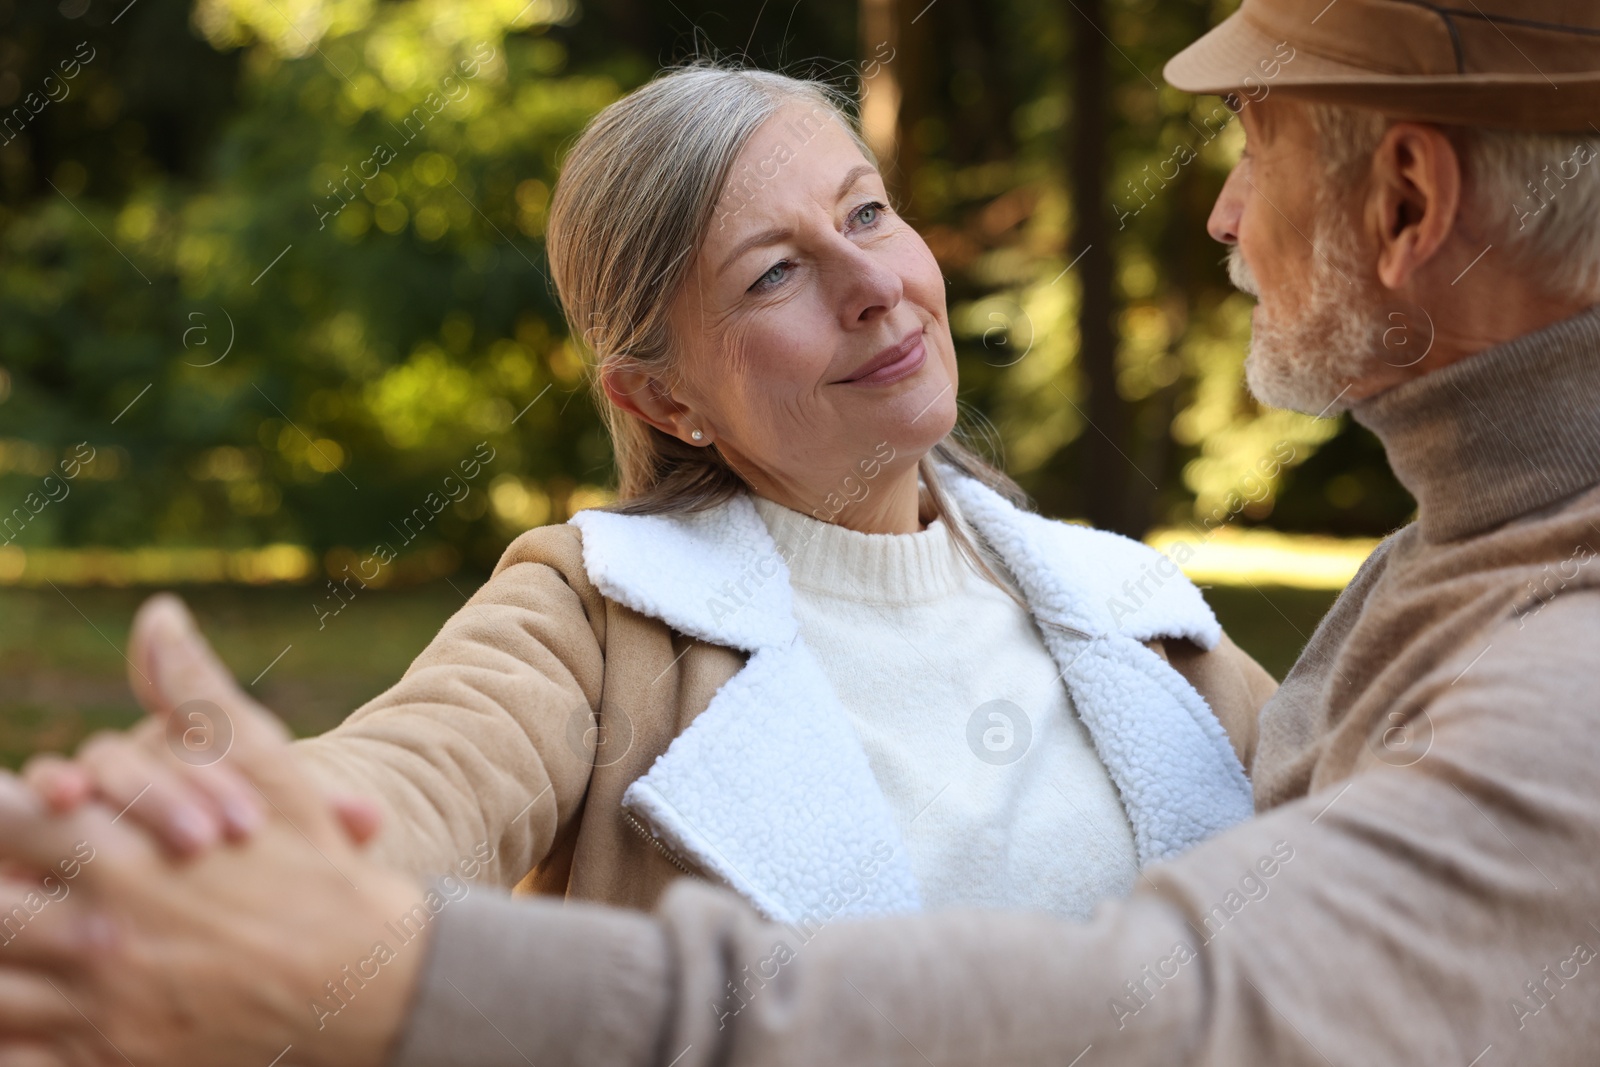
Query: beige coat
{"x": 521, "y": 726}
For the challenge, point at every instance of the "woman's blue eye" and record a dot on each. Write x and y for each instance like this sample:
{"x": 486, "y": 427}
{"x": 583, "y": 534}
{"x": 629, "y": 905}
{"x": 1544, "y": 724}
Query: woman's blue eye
{"x": 860, "y": 214}
{"x": 772, "y": 277}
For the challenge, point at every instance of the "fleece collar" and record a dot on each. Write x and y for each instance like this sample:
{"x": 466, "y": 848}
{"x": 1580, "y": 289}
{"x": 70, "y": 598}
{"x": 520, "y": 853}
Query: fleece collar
{"x": 769, "y": 787}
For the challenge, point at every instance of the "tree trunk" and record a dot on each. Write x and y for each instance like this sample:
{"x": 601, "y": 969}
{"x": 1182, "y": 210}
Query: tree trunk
{"x": 893, "y": 42}
{"x": 880, "y": 83}
{"x": 1105, "y": 469}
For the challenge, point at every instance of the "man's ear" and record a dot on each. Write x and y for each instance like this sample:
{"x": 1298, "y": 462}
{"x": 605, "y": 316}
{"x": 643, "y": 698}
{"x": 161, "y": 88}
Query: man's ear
{"x": 641, "y": 393}
{"x": 1415, "y": 196}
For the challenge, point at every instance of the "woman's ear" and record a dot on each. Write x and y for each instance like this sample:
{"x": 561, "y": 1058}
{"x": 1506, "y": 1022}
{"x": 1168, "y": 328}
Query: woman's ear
{"x": 1416, "y": 194}
{"x": 641, "y": 393}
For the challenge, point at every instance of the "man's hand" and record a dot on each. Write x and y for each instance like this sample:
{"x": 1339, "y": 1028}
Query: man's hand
{"x": 170, "y": 774}
{"x": 111, "y": 952}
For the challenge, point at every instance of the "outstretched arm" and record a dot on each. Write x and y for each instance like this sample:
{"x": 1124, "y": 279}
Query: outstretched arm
{"x": 471, "y": 754}
{"x": 472, "y": 751}
{"x": 111, "y": 952}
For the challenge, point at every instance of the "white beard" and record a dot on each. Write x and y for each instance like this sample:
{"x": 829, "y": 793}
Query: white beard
{"x": 1335, "y": 339}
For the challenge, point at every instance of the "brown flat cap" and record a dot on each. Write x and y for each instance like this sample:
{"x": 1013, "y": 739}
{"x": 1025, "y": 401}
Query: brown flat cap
{"x": 1513, "y": 64}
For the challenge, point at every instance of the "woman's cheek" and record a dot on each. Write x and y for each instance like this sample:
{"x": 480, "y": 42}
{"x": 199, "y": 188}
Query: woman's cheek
{"x": 922, "y": 277}
{"x": 793, "y": 348}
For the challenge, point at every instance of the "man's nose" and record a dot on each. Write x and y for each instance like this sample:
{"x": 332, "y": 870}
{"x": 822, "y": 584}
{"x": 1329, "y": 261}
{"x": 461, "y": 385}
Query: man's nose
{"x": 1223, "y": 225}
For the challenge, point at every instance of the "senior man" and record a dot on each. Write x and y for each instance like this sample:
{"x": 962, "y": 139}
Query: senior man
{"x": 1418, "y": 212}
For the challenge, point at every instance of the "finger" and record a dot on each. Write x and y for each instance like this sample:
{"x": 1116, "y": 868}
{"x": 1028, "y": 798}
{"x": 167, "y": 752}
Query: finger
{"x": 27, "y": 1052}
{"x": 187, "y": 677}
{"x": 148, "y": 793}
{"x": 360, "y": 817}
{"x": 188, "y": 807}
{"x": 191, "y": 688}
{"x": 192, "y": 749}
{"x": 29, "y": 1006}
{"x": 62, "y": 784}
{"x": 33, "y": 843}
{"x": 177, "y": 667}
{"x": 236, "y": 803}
{"x": 44, "y": 926}
{"x": 196, "y": 756}
{"x": 28, "y": 835}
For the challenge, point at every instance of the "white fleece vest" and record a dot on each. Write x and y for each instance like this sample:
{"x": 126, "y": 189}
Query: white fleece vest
{"x": 770, "y": 788}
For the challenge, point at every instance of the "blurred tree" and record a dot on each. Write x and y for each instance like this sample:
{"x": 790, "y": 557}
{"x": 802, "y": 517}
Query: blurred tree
{"x": 1104, "y": 474}
{"x": 280, "y": 261}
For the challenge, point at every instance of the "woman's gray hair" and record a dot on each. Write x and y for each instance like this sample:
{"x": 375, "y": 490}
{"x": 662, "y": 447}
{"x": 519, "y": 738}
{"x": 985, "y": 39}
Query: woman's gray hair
{"x": 636, "y": 195}
{"x": 1537, "y": 194}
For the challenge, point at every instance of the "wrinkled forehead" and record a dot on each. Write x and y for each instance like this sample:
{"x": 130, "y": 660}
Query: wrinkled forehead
{"x": 797, "y": 157}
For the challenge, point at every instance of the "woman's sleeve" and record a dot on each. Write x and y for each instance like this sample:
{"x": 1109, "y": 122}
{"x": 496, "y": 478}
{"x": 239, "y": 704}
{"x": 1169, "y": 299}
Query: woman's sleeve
{"x": 478, "y": 752}
{"x": 1232, "y": 682}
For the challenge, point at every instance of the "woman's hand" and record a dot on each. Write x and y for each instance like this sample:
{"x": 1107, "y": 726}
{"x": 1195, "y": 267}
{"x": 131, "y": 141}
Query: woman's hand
{"x": 170, "y": 773}
{"x": 112, "y": 952}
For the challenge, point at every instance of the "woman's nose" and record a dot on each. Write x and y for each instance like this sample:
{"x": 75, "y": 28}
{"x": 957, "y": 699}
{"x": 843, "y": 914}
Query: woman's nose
{"x": 870, "y": 285}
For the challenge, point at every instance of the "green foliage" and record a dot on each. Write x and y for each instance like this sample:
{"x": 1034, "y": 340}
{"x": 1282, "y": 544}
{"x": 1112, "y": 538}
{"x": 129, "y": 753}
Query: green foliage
{"x": 331, "y": 308}
{"x": 280, "y": 261}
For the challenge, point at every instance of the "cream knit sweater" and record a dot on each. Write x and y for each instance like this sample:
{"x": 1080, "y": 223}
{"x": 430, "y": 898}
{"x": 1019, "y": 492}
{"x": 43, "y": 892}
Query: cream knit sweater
{"x": 970, "y": 732}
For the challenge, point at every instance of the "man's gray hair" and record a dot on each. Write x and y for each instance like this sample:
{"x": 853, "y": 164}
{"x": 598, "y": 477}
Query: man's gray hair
{"x": 1536, "y": 195}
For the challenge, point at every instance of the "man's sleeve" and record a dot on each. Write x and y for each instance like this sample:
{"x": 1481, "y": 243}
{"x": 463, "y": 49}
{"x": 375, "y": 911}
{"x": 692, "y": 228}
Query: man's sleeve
{"x": 1441, "y": 912}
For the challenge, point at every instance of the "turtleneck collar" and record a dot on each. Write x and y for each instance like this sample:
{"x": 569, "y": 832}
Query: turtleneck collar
{"x": 827, "y": 558}
{"x": 1496, "y": 435}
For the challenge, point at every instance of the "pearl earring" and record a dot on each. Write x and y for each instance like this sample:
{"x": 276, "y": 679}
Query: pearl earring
{"x": 697, "y": 435}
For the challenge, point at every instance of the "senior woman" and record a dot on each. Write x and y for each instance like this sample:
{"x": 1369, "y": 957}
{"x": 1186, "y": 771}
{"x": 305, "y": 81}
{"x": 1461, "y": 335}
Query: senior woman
{"x": 817, "y": 651}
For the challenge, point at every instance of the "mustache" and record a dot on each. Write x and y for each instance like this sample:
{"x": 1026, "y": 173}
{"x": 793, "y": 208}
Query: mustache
{"x": 1240, "y": 274}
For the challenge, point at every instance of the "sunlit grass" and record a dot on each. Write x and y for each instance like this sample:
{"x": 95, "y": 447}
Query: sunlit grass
{"x": 64, "y": 675}
{"x": 1245, "y": 558}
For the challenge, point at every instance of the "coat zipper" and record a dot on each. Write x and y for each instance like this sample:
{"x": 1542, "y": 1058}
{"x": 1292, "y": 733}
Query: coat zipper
{"x": 644, "y": 831}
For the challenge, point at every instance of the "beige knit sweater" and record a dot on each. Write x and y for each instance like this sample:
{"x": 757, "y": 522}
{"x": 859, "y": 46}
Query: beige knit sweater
{"x": 1421, "y": 884}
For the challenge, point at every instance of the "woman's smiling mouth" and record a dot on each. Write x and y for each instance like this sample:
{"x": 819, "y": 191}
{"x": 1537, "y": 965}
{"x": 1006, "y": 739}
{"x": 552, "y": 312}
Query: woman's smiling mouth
{"x": 892, "y": 364}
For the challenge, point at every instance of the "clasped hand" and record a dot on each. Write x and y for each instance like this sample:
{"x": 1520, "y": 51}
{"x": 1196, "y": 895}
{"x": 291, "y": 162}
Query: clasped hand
{"x": 157, "y": 909}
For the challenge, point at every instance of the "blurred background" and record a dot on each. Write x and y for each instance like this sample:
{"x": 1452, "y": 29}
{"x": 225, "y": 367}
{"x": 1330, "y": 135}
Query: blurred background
{"x": 271, "y": 269}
